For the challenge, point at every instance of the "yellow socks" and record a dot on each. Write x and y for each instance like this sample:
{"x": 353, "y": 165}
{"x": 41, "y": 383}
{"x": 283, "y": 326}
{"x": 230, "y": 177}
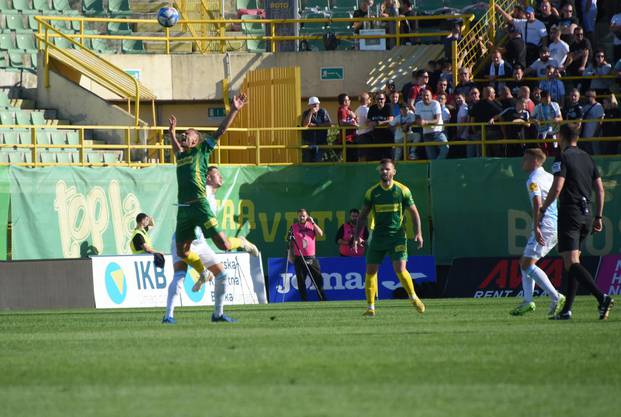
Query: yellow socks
{"x": 408, "y": 285}
{"x": 235, "y": 242}
{"x": 370, "y": 288}
{"x": 194, "y": 261}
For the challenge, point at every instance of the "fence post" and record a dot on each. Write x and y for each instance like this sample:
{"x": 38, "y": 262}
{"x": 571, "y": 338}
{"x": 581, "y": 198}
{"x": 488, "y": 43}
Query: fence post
{"x": 483, "y": 139}
{"x": 258, "y": 147}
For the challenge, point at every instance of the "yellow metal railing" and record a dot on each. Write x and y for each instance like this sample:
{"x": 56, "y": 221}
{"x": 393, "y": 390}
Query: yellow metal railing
{"x": 200, "y": 13}
{"x": 483, "y": 30}
{"x": 253, "y": 148}
{"x": 93, "y": 66}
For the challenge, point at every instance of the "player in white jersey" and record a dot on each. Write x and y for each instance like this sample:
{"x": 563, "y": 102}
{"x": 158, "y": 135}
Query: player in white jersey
{"x": 208, "y": 259}
{"x": 542, "y": 239}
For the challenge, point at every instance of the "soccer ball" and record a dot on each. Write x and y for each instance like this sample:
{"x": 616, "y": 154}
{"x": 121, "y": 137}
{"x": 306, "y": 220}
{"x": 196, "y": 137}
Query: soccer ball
{"x": 167, "y": 16}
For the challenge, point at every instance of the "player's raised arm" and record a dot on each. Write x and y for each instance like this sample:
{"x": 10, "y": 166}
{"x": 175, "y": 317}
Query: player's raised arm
{"x": 362, "y": 221}
{"x": 172, "y": 126}
{"x": 418, "y": 231}
{"x": 236, "y": 104}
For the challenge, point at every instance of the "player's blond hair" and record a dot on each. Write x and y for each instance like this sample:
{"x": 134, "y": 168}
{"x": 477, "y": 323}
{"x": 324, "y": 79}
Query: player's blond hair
{"x": 537, "y": 154}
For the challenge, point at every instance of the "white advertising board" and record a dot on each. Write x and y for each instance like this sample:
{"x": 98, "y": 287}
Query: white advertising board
{"x": 134, "y": 281}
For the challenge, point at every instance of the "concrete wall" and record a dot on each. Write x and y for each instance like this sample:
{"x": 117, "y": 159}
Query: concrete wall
{"x": 64, "y": 283}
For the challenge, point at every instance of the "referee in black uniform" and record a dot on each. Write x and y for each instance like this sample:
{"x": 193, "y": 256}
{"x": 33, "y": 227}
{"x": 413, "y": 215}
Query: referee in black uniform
{"x": 575, "y": 177}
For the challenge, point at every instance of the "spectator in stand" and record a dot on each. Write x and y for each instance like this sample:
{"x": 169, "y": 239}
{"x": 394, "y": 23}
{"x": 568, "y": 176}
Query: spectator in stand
{"x": 533, "y": 32}
{"x": 464, "y": 84}
{"x": 347, "y": 117}
{"x": 454, "y": 36}
{"x": 435, "y": 71}
{"x": 589, "y": 17}
{"x": 612, "y": 129}
{"x": 405, "y": 91}
{"x": 505, "y": 97}
{"x": 573, "y": 109}
{"x": 515, "y": 48}
{"x": 547, "y": 14}
{"x": 520, "y": 118}
{"x": 442, "y": 88}
{"x": 314, "y": 116}
{"x": 524, "y": 94}
{"x": 592, "y": 111}
{"x": 389, "y": 88}
{"x": 539, "y": 68}
{"x": 559, "y": 49}
{"x": 429, "y": 116}
{"x": 378, "y": 118}
{"x": 553, "y": 85}
{"x": 389, "y": 8}
{"x": 615, "y": 28}
{"x": 362, "y": 11}
{"x": 567, "y": 23}
{"x": 599, "y": 66}
{"x": 518, "y": 12}
{"x": 617, "y": 68}
{"x": 548, "y": 116}
{"x": 394, "y": 103}
{"x": 363, "y": 132}
{"x": 580, "y": 52}
{"x": 518, "y": 80}
{"x": 345, "y": 236}
{"x": 415, "y": 95}
{"x": 408, "y": 26}
{"x": 402, "y": 129}
{"x": 483, "y": 112}
{"x": 446, "y": 112}
{"x": 474, "y": 134}
{"x": 461, "y": 133}
{"x": 499, "y": 69}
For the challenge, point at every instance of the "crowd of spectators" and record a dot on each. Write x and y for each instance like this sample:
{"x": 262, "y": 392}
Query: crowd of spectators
{"x": 550, "y": 42}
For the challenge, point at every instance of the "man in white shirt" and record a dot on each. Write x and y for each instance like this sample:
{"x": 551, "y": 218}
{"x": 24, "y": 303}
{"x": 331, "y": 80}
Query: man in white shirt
{"x": 539, "y": 67}
{"x": 533, "y": 31}
{"x": 548, "y": 115}
{"x": 542, "y": 239}
{"x": 363, "y": 130}
{"x": 559, "y": 49}
{"x": 429, "y": 117}
{"x": 402, "y": 124}
{"x": 615, "y": 28}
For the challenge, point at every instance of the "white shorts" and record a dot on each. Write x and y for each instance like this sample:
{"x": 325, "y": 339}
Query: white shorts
{"x": 198, "y": 246}
{"x": 549, "y": 231}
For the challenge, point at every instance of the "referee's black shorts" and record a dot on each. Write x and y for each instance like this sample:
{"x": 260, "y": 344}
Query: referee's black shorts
{"x": 573, "y": 228}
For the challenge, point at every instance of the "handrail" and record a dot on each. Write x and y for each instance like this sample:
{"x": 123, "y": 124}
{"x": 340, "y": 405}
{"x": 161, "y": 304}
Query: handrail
{"x": 254, "y": 145}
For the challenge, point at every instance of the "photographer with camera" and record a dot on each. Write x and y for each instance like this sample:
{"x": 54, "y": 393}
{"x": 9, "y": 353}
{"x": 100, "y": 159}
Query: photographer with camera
{"x": 345, "y": 236}
{"x": 301, "y": 239}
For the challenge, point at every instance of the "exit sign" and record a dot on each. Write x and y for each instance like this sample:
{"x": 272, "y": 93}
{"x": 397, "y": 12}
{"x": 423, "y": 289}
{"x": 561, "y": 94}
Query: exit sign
{"x": 215, "y": 112}
{"x": 332, "y": 73}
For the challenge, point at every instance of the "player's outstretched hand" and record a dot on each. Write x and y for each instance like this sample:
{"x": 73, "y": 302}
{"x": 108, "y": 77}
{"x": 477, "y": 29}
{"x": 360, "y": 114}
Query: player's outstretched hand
{"x": 419, "y": 240}
{"x": 172, "y": 122}
{"x": 598, "y": 225}
{"x": 239, "y": 101}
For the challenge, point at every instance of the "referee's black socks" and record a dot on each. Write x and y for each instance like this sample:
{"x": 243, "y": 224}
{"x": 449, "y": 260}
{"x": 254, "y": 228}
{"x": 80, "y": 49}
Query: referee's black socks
{"x": 580, "y": 274}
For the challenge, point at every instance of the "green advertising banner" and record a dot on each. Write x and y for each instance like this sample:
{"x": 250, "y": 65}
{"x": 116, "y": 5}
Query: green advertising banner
{"x": 481, "y": 208}
{"x": 4, "y": 210}
{"x": 72, "y": 212}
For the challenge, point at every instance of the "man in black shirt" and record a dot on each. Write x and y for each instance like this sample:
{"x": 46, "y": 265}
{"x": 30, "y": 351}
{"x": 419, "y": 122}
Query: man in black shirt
{"x": 378, "y": 118}
{"x": 573, "y": 109}
{"x": 575, "y": 177}
{"x": 483, "y": 112}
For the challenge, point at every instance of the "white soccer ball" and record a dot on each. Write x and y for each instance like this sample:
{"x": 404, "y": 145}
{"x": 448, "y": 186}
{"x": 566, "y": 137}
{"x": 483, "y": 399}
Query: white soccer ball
{"x": 167, "y": 16}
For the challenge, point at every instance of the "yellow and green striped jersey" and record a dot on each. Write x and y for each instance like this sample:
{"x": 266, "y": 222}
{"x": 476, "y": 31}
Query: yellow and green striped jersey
{"x": 387, "y": 208}
{"x": 192, "y": 171}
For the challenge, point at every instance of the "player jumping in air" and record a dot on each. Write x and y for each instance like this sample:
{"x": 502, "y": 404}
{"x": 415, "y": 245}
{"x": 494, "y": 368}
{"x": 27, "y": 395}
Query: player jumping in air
{"x": 543, "y": 237}
{"x": 387, "y": 202}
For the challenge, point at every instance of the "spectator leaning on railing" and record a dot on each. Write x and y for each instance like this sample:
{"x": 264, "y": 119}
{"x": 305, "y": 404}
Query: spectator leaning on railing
{"x": 314, "y": 116}
{"x": 592, "y": 111}
{"x": 346, "y": 117}
{"x": 599, "y": 66}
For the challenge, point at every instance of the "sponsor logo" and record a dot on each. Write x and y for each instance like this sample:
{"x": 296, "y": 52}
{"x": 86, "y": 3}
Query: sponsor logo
{"x": 191, "y": 277}
{"x": 533, "y": 186}
{"x": 609, "y": 275}
{"x": 116, "y": 283}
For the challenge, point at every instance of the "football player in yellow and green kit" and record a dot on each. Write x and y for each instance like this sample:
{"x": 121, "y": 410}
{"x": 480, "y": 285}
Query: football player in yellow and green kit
{"x": 192, "y": 156}
{"x": 387, "y": 202}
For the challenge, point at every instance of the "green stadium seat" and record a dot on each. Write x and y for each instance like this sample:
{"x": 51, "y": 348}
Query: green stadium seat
{"x": 73, "y": 137}
{"x": 22, "y": 117}
{"x": 58, "y": 137}
{"x": 11, "y": 137}
{"x": 101, "y": 46}
{"x": 247, "y": 4}
{"x": 6, "y": 41}
{"x": 340, "y": 26}
{"x": 25, "y": 136}
{"x": 319, "y": 26}
{"x": 27, "y": 155}
{"x": 321, "y": 4}
{"x": 119, "y": 7}
{"x": 119, "y": 28}
{"x": 7, "y": 117}
{"x": 22, "y": 5}
{"x": 43, "y": 6}
{"x": 345, "y": 5}
{"x": 63, "y": 43}
{"x": 4, "y": 156}
{"x": 43, "y": 136}
{"x": 252, "y": 26}
{"x": 37, "y": 118}
{"x": 65, "y": 157}
{"x": 111, "y": 157}
{"x": 63, "y": 7}
{"x": 18, "y": 60}
{"x": 133, "y": 46}
{"x": 16, "y": 157}
{"x": 25, "y": 41}
{"x": 5, "y": 102}
{"x": 47, "y": 157}
{"x": 92, "y": 7}
{"x": 33, "y": 23}
{"x": 94, "y": 157}
{"x": 255, "y": 46}
{"x": 4, "y": 5}
{"x": 15, "y": 22}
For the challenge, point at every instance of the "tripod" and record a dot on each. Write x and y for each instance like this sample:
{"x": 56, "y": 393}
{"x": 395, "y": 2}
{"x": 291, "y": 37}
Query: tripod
{"x": 291, "y": 238}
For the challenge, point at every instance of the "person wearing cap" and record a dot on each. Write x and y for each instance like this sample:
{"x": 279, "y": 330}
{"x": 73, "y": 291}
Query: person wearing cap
{"x": 533, "y": 31}
{"x": 140, "y": 242}
{"x": 314, "y": 116}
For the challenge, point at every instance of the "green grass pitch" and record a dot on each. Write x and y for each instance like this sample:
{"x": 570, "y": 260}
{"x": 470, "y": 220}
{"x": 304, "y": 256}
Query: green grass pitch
{"x": 461, "y": 358}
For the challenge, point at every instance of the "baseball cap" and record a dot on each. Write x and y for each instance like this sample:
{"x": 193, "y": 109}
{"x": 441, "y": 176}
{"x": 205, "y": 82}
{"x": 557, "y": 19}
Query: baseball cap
{"x": 313, "y": 100}
{"x": 529, "y": 9}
